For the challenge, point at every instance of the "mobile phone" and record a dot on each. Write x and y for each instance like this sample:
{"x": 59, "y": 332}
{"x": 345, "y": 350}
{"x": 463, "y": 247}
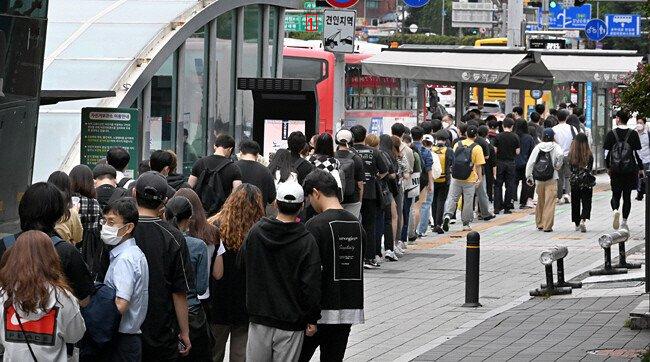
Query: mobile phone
{"x": 181, "y": 345}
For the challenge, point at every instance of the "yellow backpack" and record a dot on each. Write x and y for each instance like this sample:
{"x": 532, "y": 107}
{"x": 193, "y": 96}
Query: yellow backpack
{"x": 442, "y": 155}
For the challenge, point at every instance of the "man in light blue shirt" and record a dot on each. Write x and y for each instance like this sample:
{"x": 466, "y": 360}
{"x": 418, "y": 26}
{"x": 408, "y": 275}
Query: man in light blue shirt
{"x": 128, "y": 274}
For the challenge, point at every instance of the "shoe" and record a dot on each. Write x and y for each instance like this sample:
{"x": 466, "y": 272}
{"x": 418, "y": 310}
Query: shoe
{"x": 488, "y": 218}
{"x": 507, "y": 211}
{"x": 567, "y": 198}
{"x": 639, "y": 197}
{"x": 616, "y": 223}
{"x": 378, "y": 260}
{"x": 530, "y": 204}
{"x": 497, "y": 211}
{"x": 452, "y": 220}
{"x": 466, "y": 227}
{"x": 438, "y": 230}
{"x": 390, "y": 255}
{"x": 624, "y": 225}
{"x": 577, "y": 227}
{"x": 367, "y": 264}
{"x": 540, "y": 228}
{"x": 412, "y": 239}
{"x": 548, "y": 231}
{"x": 445, "y": 223}
{"x": 583, "y": 227}
{"x": 402, "y": 245}
{"x": 398, "y": 251}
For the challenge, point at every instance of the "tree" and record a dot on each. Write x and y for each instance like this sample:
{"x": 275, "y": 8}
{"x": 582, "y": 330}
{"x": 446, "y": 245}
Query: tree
{"x": 635, "y": 95}
{"x": 429, "y": 17}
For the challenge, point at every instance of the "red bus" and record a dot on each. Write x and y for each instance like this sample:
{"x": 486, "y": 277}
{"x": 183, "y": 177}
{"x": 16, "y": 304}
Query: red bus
{"x": 374, "y": 102}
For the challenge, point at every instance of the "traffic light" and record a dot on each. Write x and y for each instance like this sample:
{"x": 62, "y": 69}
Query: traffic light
{"x": 579, "y": 2}
{"x": 552, "y": 4}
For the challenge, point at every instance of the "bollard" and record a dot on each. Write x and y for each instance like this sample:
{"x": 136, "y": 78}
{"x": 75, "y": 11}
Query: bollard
{"x": 472, "y": 260}
{"x": 557, "y": 253}
{"x": 606, "y": 241}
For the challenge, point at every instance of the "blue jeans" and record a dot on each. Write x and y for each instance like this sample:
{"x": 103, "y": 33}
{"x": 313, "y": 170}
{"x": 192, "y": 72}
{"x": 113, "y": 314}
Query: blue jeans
{"x": 406, "y": 214}
{"x": 425, "y": 212}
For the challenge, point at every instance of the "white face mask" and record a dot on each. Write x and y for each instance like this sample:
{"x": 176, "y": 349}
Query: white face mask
{"x": 109, "y": 235}
{"x": 640, "y": 127}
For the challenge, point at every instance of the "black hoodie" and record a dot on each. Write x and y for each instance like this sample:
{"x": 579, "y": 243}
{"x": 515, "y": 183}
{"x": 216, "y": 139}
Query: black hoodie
{"x": 177, "y": 181}
{"x": 283, "y": 272}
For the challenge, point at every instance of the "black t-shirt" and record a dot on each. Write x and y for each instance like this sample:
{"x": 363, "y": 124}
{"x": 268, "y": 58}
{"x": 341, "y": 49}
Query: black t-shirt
{"x": 170, "y": 272}
{"x": 358, "y": 176}
{"x": 228, "y": 294}
{"x": 75, "y": 270}
{"x": 373, "y": 164}
{"x": 506, "y": 144}
{"x": 302, "y": 166}
{"x": 254, "y": 173}
{"x": 340, "y": 238}
{"x": 227, "y": 175}
{"x": 633, "y": 140}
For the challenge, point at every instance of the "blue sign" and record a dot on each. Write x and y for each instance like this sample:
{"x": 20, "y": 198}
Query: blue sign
{"x": 416, "y": 3}
{"x": 596, "y": 30}
{"x": 573, "y": 17}
{"x": 588, "y": 104}
{"x": 623, "y": 25}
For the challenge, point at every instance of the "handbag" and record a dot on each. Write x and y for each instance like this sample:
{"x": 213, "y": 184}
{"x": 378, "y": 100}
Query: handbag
{"x": 581, "y": 177}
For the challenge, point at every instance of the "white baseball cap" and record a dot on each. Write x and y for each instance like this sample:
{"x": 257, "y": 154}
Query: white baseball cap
{"x": 290, "y": 192}
{"x": 428, "y": 138}
{"x": 343, "y": 137}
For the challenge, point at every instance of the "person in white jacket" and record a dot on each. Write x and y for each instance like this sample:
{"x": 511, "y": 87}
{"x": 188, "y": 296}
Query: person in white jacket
{"x": 546, "y": 189}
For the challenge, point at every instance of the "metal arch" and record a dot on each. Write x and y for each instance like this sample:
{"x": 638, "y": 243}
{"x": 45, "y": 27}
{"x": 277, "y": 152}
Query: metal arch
{"x": 202, "y": 18}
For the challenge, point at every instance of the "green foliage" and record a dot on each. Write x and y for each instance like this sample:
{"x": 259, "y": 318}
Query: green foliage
{"x": 635, "y": 96}
{"x": 429, "y": 18}
{"x": 429, "y": 40}
{"x": 304, "y": 36}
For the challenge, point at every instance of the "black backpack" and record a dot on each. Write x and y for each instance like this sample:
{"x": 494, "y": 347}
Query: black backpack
{"x": 346, "y": 172}
{"x": 210, "y": 189}
{"x": 543, "y": 169}
{"x": 462, "y": 167}
{"x": 123, "y": 182}
{"x": 622, "y": 156}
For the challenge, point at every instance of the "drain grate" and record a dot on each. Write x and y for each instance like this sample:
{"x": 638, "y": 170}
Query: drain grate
{"x": 616, "y": 285}
{"x": 620, "y": 353}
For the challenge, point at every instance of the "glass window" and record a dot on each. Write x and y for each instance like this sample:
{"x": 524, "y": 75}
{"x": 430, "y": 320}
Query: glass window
{"x": 224, "y": 74}
{"x": 250, "y": 68}
{"x": 160, "y": 120}
{"x": 302, "y": 68}
{"x": 191, "y": 91}
{"x": 273, "y": 38}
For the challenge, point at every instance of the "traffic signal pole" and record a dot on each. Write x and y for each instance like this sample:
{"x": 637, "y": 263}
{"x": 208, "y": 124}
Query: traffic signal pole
{"x": 545, "y": 20}
{"x": 513, "y": 33}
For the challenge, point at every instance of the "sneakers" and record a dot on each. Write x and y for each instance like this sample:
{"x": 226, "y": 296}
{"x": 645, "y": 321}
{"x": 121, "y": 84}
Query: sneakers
{"x": 488, "y": 218}
{"x": 624, "y": 225}
{"x": 445, "y": 223}
{"x": 390, "y": 255}
{"x": 370, "y": 264}
{"x": 566, "y": 198}
{"x": 438, "y": 230}
{"x": 507, "y": 211}
{"x": 378, "y": 259}
{"x": 398, "y": 251}
{"x": 616, "y": 222}
{"x": 639, "y": 196}
{"x": 577, "y": 227}
{"x": 530, "y": 204}
{"x": 548, "y": 231}
{"x": 583, "y": 227}
{"x": 401, "y": 245}
{"x": 466, "y": 227}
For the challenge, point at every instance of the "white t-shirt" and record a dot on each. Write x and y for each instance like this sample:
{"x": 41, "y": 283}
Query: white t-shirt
{"x": 220, "y": 251}
{"x": 564, "y": 136}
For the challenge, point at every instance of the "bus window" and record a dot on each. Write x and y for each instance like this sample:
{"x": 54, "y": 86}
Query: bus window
{"x": 304, "y": 68}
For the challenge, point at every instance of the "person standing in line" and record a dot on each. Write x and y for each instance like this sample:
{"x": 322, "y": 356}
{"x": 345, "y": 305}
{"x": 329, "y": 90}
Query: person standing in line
{"x": 69, "y": 226}
{"x": 398, "y": 130}
{"x": 644, "y": 153}
{"x": 411, "y": 190}
{"x": 283, "y": 281}
{"x": 466, "y": 177}
{"x": 386, "y": 219}
{"x": 340, "y": 239}
{"x": 170, "y": 277}
{"x": 242, "y": 210}
{"x": 535, "y": 128}
{"x": 481, "y": 196}
{"x": 47, "y": 310}
{"x": 352, "y": 197}
{"x": 564, "y": 135}
{"x": 426, "y": 181}
{"x": 527, "y": 143}
{"x": 507, "y": 147}
{"x": 128, "y": 275}
{"x": 105, "y": 185}
{"x": 624, "y": 166}
{"x": 490, "y": 170}
{"x": 119, "y": 158}
{"x": 374, "y": 169}
{"x": 436, "y": 170}
{"x": 542, "y": 169}
{"x": 441, "y": 184}
{"x": 297, "y": 144}
{"x": 253, "y": 172}
{"x": 323, "y": 158}
{"x": 582, "y": 181}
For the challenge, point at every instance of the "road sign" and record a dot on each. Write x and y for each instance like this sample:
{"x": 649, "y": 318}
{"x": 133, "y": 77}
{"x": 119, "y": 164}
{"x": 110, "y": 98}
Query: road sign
{"x": 588, "y": 103}
{"x": 303, "y": 22}
{"x": 536, "y": 93}
{"x": 413, "y": 28}
{"x": 547, "y": 44}
{"x": 309, "y": 5}
{"x": 596, "y": 30}
{"x": 342, "y": 3}
{"x": 623, "y": 25}
{"x": 338, "y": 30}
{"x": 416, "y": 3}
{"x": 574, "y": 17}
{"x": 472, "y": 15}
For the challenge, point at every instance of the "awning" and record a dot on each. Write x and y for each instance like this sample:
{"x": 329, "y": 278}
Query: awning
{"x": 590, "y": 68}
{"x": 507, "y": 70}
{"x": 56, "y": 96}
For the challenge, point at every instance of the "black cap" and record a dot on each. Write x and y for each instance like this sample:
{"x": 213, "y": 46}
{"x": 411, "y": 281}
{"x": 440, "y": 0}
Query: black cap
{"x": 151, "y": 185}
{"x": 472, "y": 131}
{"x": 103, "y": 169}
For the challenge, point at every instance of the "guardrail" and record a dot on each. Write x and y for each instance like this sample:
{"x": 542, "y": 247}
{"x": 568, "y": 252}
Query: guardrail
{"x": 606, "y": 241}
{"x": 554, "y": 254}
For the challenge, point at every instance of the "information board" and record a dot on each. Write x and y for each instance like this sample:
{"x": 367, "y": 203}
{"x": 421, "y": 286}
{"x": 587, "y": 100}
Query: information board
{"x": 623, "y": 25}
{"x": 276, "y": 133}
{"x": 103, "y": 128}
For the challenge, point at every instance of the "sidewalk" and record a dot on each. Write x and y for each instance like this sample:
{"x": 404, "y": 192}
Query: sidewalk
{"x": 414, "y": 305}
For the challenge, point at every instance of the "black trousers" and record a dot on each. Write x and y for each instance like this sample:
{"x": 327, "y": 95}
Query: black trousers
{"x": 527, "y": 192}
{"x": 626, "y": 194}
{"x": 489, "y": 181}
{"x": 440, "y": 191}
{"x": 384, "y": 227}
{"x": 368, "y": 216}
{"x": 199, "y": 336}
{"x": 505, "y": 176}
{"x": 123, "y": 348}
{"x": 332, "y": 339}
{"x": 580, "y": 203}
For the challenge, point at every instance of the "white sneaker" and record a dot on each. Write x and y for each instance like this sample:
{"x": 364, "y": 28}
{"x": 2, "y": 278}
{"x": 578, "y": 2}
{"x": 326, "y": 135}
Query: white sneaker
{"x": 378, "y": 259}
{"x": 566, "y": 198}
{"x": 616, "y": 223}
{"x": 390, "y": 255}
{"x": 583, "y": 227}
{"x": 624, "y": 225}
{"x": 398, "y": 251}
{"x": 530, "y": 204}
{"x": 402, "y": 245}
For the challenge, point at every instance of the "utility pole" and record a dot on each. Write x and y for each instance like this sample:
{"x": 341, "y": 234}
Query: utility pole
{"x": 442, "y": 27}
{"x": 545, "y": 20}
{"x": 513, "y": 33}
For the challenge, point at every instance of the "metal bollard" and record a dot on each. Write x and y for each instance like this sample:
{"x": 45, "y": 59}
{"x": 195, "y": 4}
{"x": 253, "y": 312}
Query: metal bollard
{"x": 557, "y": 253}
{"x": 606, "y": 241}
{"x": 472, "y": 261}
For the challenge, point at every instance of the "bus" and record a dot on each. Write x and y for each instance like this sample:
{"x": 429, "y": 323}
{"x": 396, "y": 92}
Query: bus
{"x": 374, "y": 102}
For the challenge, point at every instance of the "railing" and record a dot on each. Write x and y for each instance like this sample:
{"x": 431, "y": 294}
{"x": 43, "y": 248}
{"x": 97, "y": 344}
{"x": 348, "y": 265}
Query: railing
{"x": 374, "y": 101}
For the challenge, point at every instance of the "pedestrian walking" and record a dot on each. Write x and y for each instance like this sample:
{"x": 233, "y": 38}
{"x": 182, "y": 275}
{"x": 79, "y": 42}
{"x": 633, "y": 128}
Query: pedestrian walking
{"x": 481, "y": 196}
{"x": 283, "y": 277}
{"x": 466, "y": 175}
{"x": 542, "y": 170}
{"x": 582, "y": 181}
{"x": 128, "y": 275}
{"x": 38, "y": 303}
{"x": 441, "y": 184}
{"x": 624, "y": 166}
{"x": 352, "y": 166}
{"x": 407, "y": 160}
{"x": 527, "y": 143}
{"x": 644, "y": 153}
{"x": 69, "y": 226}
{"x": 229, "y": 319}
{"x": 564, "y": 135}
{"x": 340, "y": 239}
{"x": 119, "y": 158}
{"x": 507, "y": 146}
{"x": 253, "y": 172}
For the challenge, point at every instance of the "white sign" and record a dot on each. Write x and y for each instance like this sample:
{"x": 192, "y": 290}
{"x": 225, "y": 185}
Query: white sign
{"x": 338, "y": 30}
{"x": 276, "y": 133}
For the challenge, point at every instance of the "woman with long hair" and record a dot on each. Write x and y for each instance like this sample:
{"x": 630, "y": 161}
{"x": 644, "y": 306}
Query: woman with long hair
{"x": 69, "y": 226}
{"x": 243, "y": 208}
{"x": 323, "y": 157}
{"x": 582, "y": 181}
{"x": 387, "y": 188}
{"x": 282, "y": 167}
{"x": 38, "y": 301}
{"x": 527, "y": 143}
{"x": 179, "y": 212}
{"x": 90, "y": 213}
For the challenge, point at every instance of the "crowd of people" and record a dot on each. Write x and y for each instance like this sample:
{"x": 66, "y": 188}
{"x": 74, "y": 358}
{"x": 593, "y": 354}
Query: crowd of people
{"x": 271, "y": 257}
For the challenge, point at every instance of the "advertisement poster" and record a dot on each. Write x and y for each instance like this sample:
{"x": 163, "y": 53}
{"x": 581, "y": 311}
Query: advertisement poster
{"x": 276, "y": 133}
{"x": 103, "y": 128}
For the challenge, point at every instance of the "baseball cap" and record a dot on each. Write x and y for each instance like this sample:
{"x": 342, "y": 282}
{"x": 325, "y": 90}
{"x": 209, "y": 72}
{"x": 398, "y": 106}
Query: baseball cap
{"x": 343, "y": 137}
{"x": 151, "y": 185}
{"x": 290, "y": 192}
{"x": 104, "y": 170}
{"x": 549, "y": 134}
{"x": 472, "y": 131}
{"x": 428, "y": 138}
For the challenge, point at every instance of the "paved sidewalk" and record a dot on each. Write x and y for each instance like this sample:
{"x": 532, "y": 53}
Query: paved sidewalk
{"x": 414, "y": 305}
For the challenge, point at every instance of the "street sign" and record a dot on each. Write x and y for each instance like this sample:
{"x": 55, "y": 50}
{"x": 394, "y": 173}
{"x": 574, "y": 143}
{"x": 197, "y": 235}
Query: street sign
{"x": 416, "y": 3}
{"x": 303, "y": 22}
{"x": 472, "y": 15}
{"x": 574, "y": 17}
{"x": 548, "y": 44}
{"x": 536, "y": 93}
{"x": 413, "y": 28}
{"x": 310, "y": 5}
{"x": 588, "y": 103}
{"x": 342, "y": 3}
{"x": 623, "y": 25}
{"x": 338, "y": 30}
{"x": 596, "y": 30}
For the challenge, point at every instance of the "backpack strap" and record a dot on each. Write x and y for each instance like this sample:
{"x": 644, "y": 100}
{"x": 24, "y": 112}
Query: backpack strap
{"x": 222, "y": 166}
{"x": 627, "y": 135}
{"x": 124, "y": 181}
{"x": 615, "y": 135}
